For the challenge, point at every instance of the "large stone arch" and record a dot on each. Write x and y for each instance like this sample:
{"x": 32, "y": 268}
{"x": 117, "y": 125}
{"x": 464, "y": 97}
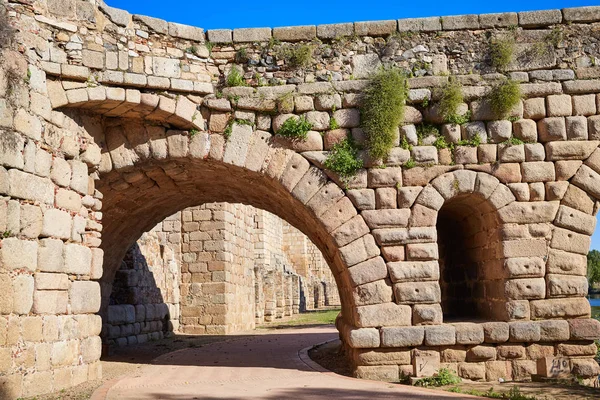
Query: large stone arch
{"x": 149, "y": 172}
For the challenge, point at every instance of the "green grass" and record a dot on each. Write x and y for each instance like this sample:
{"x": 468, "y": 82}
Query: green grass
{"x": 444, "y": 377}
{"x": 320, "y": 317}
{"x": 504, "y": 97}
{"x": 513, "y": 394}
{"x": 382, "y": 110}
{"x": 297, "y": 56}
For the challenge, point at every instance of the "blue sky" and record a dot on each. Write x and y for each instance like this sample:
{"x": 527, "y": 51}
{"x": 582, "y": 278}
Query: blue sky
{"x": 272, "y": 13}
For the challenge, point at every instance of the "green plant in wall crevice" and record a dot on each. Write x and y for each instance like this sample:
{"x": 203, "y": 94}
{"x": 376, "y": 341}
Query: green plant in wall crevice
{"x": 504, "y": 97}
{"x": 344, "y": 159}
{"x": 382, "y": 110}
{"x": 295, "y": 128}
{"x": 502, "y": 51}
{"x": 235, "y": 78}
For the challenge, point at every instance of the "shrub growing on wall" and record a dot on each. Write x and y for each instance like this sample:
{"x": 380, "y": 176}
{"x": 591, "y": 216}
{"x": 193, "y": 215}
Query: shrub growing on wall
{"x": 295, "y": 128}
{"x": 344, "y": 160}
{"x": 451, "y": 98}
{"x": 382, "y": 110}
{"x": 504, "y": 97}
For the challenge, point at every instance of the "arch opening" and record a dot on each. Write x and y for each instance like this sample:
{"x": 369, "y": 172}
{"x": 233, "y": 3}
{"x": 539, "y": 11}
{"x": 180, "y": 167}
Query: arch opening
{"x": 470, "y": 251}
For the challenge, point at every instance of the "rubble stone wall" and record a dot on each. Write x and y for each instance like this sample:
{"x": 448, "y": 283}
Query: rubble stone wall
{"x": 112, "y": 122}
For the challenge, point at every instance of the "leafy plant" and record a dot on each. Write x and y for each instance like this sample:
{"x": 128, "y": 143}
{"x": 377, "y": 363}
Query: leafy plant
{"x": 235, "y": 78}
{"x": 474, "y": 142}
{"x": 504, "y": 97}
{"x": 193, "y": 132}
{"x": 440, "y": 143}
{"x": 295, "y": 128}
{"x": 192, "y": 49}
{"x": 424, "y": 130}
{"x": 444, "y": 377}
{"x": 410, "y": 163}
{"x": 502, "y": 51}
{"x": 333, "y": 124}
{"x": 6, "y": 234}
{"x": 382, "y": 110}
{"x": 344, "y": 160}
{"x": 514, "y": 141}
{"x": 404, "y": 143}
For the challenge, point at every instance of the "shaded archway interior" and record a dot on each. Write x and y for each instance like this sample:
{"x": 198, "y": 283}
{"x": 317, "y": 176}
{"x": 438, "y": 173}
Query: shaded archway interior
{"x": 470, "y": 251}
{"x": 162, "y": 188}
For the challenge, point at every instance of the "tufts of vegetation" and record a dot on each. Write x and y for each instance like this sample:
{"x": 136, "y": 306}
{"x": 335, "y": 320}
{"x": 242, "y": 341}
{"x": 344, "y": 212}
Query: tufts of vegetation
{"x": 502, "y": 51}
{"x": 193, "y": 132}
{"x": 382, "y": 110}
{"x": 6, "y": 234}
{"x": 513, "y": 394}
{"x": 451, "y": 98}
{"x": 424, "y": 130}
{"x": 404, "y": 143}
{"x": 344, "y": 159}
{"x": 235, "y": 78}
{"x": 410, "y": 163}
{"x": 441, "y": 143}
{"x": 333, "y": 124}
{"x": 209, "y": 46}
{"x": 504, "y": 97}
{"x": 241, "y": 56}
{"x": 295, "y": 128}
{"x": 513, "y": 141}
{"x": 193, "y": 49}
{"x": 298, "y": 56}
{"x": 444, "y": 377}
{"x": 474, "y": 142}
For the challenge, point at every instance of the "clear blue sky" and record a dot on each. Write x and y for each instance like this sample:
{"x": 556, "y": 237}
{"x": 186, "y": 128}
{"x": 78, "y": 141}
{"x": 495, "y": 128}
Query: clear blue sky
{"x": 272, "y": 13}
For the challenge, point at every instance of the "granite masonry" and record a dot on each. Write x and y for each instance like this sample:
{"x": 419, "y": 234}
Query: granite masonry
{"x": 112, "y": 122}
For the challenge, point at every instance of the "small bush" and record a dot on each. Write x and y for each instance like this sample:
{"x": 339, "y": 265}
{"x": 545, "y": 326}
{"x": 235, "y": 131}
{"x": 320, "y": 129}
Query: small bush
{"x": 296, "y": 56}
{"x": 443, "y": 378}
{"x": 410, "y": 163}
{"x": 344, "y": 160}
{"x": 295, "y": 128}
{"x": 235, "y": 78}
{"x": 502, "y": 52}
{"x": 504, "y": 97}
{"x": 382, "y": 110}
{"x": 451, "y": 98}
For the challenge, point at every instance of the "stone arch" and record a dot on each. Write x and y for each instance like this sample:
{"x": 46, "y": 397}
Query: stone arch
{"x": 462, "y": 206}
{"x": 148, "y": 171}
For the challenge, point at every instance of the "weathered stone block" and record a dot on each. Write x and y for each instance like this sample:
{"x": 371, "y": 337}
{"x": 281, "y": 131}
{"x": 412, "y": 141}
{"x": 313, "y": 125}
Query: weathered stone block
{"x": 84, "y": 297}
{"x": 402, "y": 336}
{"x": 387, "y": 314}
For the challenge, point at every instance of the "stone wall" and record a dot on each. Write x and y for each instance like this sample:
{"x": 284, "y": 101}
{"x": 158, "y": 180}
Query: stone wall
{"x": 112, "y": 122}
{"x": 145, "y": 300}
{"x": 226, "y": 259}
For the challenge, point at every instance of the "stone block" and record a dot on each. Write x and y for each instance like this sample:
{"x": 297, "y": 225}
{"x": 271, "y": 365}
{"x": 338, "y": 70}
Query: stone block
{"x": 50, "y": 302}
{"x": 524, "y": 332}
{"x": 247, "y": 35}
{"x": 481, "y": 353}
{"x": 386, "y": 218}
{"x": 387, "y": 314}
{"x": 383, "y": 373}
{"x": 559, "y": 105}
{"x": 84, "y": 297}
{"x": 402, "y": 336}
{"x": 334, "y": 31}
{"x": 373, "y": 293}
{"x": 30, "y": 187}
{"x": 17, "y": 254}
{"x": 469, "y": 333}
{"x": 554, "y": 331}
{"x": 365, "y": 65}
{"x": 560, "y": 308}
{"x": 584, "y": 105}
{"x": 186, "y": 32}
{"x": 23, "y": 286}
{"x": 368, "y": 271}
{"x": 429, "y": 24}
{"x": 425, "y": 364}
{"x": 411, "y": 271}
{"x": 440, "y": 335}
{"x": 78, "y": 259}
{"x": 581, "y": 14}
{"x": 427, "y": 314}
{"x": 56, "y": 223}
{"x": 532, "y": 19}
{"x": 363, "y": 338}
{"x": 584, "y": 329}
{"x": 550, "y": 129}
{"x": 459, "y": 22}
{"x": 295, "y": 33}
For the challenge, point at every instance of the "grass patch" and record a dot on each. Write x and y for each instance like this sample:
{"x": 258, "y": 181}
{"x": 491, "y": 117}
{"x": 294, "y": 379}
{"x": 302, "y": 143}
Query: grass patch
{"x": 444, "y": 377}
{"x": 241, "y": 56}
{"x": 295, "y": 128}
{"x": 504, "y": 97}
{"x": 344, "y": 160}
{"x": 410, "y": 163}
{"x": 502, "y": 51}
{"x": 321, "y": 317}
{"x": 235, "y": 78}
{"x": 382, "y": 110}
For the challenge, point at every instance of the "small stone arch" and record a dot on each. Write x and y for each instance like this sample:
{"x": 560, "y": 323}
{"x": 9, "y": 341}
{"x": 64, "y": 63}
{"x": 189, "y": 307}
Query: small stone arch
{"x": 466, "y": 264}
